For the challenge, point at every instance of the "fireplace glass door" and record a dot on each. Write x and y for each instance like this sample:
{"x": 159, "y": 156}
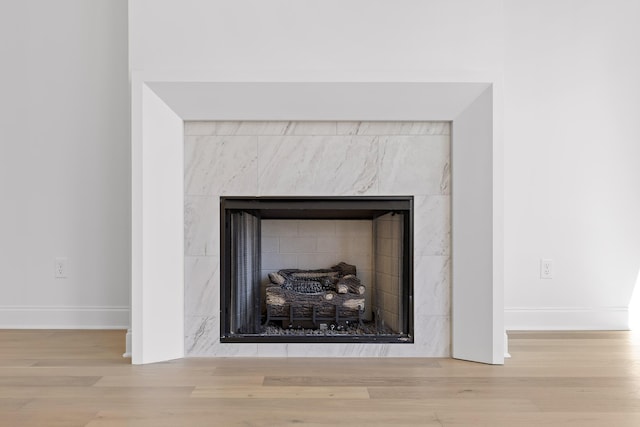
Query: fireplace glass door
{"x": 244, "y": 251}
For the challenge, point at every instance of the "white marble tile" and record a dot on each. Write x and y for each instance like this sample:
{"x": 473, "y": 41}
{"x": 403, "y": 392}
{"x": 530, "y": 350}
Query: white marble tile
{"x": 432, "y": 225}
{"x": 329, "y": 165}
{"x": 202, "y": 286}
{"x": 411, "y": 161}
{"x": 394, "y": 128}
{"x": 272, "y": 350}
{"x": 202, "y": 339}
{"x": 414, "y": 165}
{"x": 256, "y": 128}
{"x": 233, "y": 350}
{"x": 432, "y": 335}
{"x": 201, "y": 225}
{"x": 432, "y": 284}
{"x": 348, "y": 128}
{"x": 238, "y": 128}
{"x": 311, "y": 128}
{"x": 436, "y": 347}
{"x": 336, "y": 350}
{"x": 445, "y": 179}
{"x": 201, "y": 335}
{"x": 221, "y": 165}
{"x": 199, "y": 128}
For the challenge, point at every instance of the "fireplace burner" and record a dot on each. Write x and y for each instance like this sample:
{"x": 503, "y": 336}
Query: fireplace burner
{"x": 331, "y": 304}
{"x": 332, "y": 295}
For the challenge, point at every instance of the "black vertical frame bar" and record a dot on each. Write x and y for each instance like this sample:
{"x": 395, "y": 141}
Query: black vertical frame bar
{"x": 225, "y": 273}
{"x": 257, "y": 271}
{"x": 407, "y": 269}
{"x": 229, "y": 224}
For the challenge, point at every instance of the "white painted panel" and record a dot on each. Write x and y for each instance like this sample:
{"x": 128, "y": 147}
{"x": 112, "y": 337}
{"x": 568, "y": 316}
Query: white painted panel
{"x": 158, "y": 264}
{"x": 412, "y": 99}
{"x": 317, "y": 100}
{"x": 475, "y": 315}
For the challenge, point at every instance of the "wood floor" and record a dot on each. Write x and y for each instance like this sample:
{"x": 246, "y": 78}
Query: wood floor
{"x": 78, "y": 378}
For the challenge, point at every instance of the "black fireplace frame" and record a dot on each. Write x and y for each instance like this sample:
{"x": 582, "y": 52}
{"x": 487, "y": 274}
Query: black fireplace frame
{"x": 314, "y": 207}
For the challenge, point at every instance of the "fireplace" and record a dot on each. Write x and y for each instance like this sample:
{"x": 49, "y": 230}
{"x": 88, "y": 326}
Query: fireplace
{"x": 316, "y": 269}
{"x": 177, "y": 131}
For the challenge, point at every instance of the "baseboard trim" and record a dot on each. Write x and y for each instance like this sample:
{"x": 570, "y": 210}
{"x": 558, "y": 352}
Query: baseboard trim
{"x": 60, "y": 317}
{"x": 566, "y": 318}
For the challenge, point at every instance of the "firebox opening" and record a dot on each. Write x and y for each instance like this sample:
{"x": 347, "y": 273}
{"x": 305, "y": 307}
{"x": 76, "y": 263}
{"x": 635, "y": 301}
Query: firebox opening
{"x": 317, "y": 269}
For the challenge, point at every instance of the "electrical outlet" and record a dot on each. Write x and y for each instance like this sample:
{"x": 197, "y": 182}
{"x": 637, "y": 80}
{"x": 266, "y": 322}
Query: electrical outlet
{"x": 60, "y": 268}
{"x": 546, "y": 269}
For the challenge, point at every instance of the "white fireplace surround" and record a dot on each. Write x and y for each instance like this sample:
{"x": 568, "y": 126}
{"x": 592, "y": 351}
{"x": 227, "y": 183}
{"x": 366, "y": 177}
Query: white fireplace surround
{"x": 161, "y": 104}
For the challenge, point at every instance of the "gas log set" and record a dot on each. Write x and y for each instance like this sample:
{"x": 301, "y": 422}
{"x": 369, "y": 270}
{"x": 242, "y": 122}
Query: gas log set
{"x": 315, "y": 298}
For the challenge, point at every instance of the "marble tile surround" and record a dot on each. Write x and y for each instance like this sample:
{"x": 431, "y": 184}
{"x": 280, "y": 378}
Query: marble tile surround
{"x": 323, "y": 159}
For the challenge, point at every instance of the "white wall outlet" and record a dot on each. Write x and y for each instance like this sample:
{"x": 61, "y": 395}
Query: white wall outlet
{"x": 546, "y": 269}
{"x": 60, "y": 268}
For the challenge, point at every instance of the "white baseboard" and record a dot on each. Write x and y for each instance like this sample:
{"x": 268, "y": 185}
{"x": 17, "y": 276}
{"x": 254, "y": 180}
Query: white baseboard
{"x": 55, "y": 317}
{"x": 566, "y": 318}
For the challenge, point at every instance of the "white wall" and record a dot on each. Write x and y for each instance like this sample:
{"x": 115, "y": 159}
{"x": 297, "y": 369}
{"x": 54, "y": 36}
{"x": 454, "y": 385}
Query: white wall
{"x": 572, "y": 161}
{"x": 571, "y": 101}
{"x": 368, "y": 36}
{"x": 571, "y": 105}
{"x": 64, "y": 163}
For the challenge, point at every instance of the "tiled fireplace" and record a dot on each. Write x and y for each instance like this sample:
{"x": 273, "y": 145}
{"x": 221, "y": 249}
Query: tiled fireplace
{"x": 322, "y": 159}
{"x": 328, "y": 131}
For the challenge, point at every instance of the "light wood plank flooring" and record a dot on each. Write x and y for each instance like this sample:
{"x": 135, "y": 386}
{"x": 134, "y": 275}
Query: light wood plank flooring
{"x": 78, "y": 378}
